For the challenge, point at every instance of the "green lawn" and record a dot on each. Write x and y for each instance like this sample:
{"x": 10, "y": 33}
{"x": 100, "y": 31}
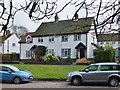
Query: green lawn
{"x": 50, "y": 71}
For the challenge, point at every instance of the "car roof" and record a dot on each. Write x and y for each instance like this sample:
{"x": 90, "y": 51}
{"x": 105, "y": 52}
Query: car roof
{"x": 106, "y": 63}
{"x": 7, "y": 65}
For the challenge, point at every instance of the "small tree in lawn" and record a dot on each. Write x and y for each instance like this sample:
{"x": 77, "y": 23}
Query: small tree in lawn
{"x": 40, "y": 51}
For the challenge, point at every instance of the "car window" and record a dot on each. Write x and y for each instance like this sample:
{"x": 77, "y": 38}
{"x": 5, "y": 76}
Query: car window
{"x": 93, "y": 68}
{"x": 109, "y": 67}
{"x": 5, "y": 69}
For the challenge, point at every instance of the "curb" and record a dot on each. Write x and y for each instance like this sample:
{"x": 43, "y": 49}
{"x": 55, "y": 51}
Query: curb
{"x": 49, "y": 80}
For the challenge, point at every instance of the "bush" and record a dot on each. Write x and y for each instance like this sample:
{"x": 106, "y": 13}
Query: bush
{"x": 68, "y": 60}
{"x": 82, "y": 60}
{"x": 9, "y": 57}
{"x": 104, "y": 54}
{"x": 50, "y": 58}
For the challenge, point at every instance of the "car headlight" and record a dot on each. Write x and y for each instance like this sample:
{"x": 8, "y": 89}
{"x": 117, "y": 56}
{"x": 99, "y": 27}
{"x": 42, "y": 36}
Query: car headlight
{"x": 24, "y": 74}
{"x": 69, "y": 74}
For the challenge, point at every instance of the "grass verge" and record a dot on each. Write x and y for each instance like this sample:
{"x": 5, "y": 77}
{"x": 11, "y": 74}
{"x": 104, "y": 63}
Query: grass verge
{"x": 50, "y": 71}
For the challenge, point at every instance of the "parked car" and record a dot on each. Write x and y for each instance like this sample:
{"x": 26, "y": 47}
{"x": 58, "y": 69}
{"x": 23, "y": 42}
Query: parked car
{"x": 14, "y": 74}
{"x": 98, "y": 72}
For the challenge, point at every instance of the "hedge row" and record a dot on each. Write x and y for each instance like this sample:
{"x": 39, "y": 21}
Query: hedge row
{"x": 9, "y": 57}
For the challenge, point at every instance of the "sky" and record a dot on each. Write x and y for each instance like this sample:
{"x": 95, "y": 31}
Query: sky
{"x": 22, "y": 19}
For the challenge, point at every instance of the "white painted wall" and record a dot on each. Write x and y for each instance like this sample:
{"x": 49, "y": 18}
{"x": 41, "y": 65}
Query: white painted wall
{"x": 1, "y": 48}
{"x": 57, "y": 45}
{"x": 25, "y": 47}
{"x": 8, "y": 48}
{"x": 114, "y": 45}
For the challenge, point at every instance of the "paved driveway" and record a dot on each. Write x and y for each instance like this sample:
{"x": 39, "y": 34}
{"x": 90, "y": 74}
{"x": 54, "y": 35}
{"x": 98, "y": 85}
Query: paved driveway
{"x": 52, "y": 84}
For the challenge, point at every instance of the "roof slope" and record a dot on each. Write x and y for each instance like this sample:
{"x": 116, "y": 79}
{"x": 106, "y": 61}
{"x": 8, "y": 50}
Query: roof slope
{"x": 109, "y": 37}
{"x": 3, "y": 38}
{"x": 23, "y": 40}
{"x": 64, "y": 27}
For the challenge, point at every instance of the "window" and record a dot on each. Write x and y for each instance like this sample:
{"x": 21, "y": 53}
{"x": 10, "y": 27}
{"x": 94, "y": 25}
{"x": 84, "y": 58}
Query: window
{"x": 66, "y": 52}
{"x": 0, "y": 44}
{"x": 13, "y": 44}
{"x": 77, "y": 37}
{"x": 51, "y": 51}
{"x": 6, "y": 69}
{"x": 40, "y": 39}
{"x": 113, "y": 42}
{"x": 109, "y": 67}
{"x": 101, "y": 43}
{"x": 64, "y": 38}
{"x": 92, "y": 68}
{"x": 28, "y": 53}
{"x": 118, "y": 42}
{"x": 28, "y": 39}
{"x": 51, "y": 39}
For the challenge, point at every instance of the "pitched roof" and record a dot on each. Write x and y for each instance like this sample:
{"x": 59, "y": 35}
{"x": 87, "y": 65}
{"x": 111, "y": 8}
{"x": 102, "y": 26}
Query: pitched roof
{"x": 23, "y": 40}
{"x": 64, "y": 27}
{"x": 109, "y": 37}
{"x": 3, "y": 38}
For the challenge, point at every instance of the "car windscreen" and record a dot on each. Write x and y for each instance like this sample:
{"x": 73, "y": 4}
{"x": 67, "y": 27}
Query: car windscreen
{"x": 15, "y": 68}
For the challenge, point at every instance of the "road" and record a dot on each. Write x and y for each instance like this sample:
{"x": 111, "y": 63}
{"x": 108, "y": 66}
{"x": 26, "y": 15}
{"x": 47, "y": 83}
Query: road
{"x": 52, "y": 84}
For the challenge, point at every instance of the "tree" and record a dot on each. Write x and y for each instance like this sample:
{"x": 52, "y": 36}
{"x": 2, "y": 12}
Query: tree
{"x": 105, "y": 12}
{"x": 20, "y": 31}
{"x": 40, "y": 51}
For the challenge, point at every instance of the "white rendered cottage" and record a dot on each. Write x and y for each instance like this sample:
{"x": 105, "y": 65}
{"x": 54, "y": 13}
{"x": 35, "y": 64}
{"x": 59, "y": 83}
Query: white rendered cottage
{"x": 9, "y": 44}
{"x": 112, "y": 39}
{"x": 64, "y": 38}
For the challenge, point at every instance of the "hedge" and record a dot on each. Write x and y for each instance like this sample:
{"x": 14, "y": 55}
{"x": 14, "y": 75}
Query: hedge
{"x": 9, "y": 57}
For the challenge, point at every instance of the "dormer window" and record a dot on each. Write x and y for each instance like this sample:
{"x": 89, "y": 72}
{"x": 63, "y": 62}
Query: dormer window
{"x": 28, "y": 39}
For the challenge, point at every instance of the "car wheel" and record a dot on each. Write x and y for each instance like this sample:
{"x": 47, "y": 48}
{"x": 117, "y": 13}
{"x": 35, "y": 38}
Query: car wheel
{"x": 76, "y": 81}
{"x": 114, "y": 82}
{"x": 17, "y": 80}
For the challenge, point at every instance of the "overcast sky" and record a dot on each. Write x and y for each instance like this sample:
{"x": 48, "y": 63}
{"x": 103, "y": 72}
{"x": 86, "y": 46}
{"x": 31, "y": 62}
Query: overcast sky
{"x": 22, "y": 19}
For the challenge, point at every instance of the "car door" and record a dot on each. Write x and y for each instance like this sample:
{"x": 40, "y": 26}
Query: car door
{"x": 6, "y": 74}
{"x": 0, "y": 73}
{"x": 90, "y": 74}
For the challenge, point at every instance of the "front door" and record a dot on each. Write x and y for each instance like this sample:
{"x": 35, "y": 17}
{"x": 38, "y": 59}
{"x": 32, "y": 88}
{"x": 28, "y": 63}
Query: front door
{"x": 82, "y": 53}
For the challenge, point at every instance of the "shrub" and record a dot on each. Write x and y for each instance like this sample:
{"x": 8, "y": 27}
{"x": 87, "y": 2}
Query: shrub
{"x": 68, "y": 60}
{"x": 9, "y": 57}
{"x": 50, "y": 58}
{"x": 105, "y": 54}
{"x": 82, "y": 60}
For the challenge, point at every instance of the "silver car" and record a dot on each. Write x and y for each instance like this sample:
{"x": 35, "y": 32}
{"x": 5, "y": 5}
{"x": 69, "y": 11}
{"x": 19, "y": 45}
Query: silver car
{"x": 98, "y": 72}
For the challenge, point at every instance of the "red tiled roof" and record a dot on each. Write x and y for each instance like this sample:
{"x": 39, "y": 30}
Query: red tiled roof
{"x": 23, "y": 40}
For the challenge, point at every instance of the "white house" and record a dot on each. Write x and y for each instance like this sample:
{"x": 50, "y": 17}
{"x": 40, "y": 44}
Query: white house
{"x": 63, "y": 38}
{"x": 112, "y": 39}
{"x": 9, "y": 44}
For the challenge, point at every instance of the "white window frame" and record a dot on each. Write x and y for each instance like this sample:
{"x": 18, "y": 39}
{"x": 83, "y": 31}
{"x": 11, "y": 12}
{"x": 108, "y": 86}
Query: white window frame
{"x": 13, "y": 44}
{"x": 64, "y": 38}
{"x": 50, "y": 51}
{"x": 29, "y": 39}
{"x": 51, "y": 39}
{"x": 28, "y": 53}
{"x": 40, "y": 39}
{"x": 66, "y": 52}
{"x": 77, "y": 37}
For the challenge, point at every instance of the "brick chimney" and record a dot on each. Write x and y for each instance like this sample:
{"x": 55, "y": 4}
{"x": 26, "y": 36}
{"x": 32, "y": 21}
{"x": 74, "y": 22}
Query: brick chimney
{"x": 8, "y": 32}
{"x": 76, "y": 17}
{"x": 56, "y": 18}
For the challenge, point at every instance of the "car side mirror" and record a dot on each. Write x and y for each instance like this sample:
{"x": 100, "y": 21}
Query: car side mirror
{"x": 86, "y": 70}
